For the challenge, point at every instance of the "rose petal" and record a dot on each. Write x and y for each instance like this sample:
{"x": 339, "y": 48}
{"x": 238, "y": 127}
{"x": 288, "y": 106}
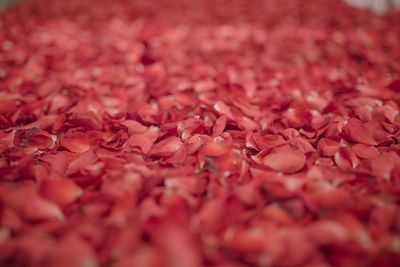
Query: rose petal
{"x": 61, "y": 191}
{"x": 359, "y": 132}
{"x": 167, "y": 147}
{"x": 82, "y": 161}
{"x": 219, "y": 126}
{"x": 285, "y": 159}
{"x": 365, "y": 151}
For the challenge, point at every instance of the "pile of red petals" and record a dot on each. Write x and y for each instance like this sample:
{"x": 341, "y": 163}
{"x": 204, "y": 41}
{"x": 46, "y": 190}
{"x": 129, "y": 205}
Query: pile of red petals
{"x": 199, "y": 133}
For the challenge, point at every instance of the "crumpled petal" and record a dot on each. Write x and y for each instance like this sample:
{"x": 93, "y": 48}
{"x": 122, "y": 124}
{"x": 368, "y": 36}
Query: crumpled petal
{"x": 34, "y": 138}
{"x": 171, "y": 148}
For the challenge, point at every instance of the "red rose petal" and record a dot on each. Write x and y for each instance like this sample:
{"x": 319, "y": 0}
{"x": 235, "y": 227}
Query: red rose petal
{"x": 88, "y": 120}
{"x": 167, "y": 147}
{"x": 36, "y": 208}
{"x": 299, "y": 248}
{"x": 365, "y": 151}
{"x": 359, "y": 132}
{"x": 346, "y": 159}
{"x": 180, "y": 252}
{"x": 382, "y": 166}
{"x": 329, "y": 146}
{"x": 71, "y": 251}
{"x": 219, "y": 126}
{"x": 34, "y": 138}
{"x": 134, "y": 127}
{"x": 59, "y": 103}
{"x": 82, "y": 161}
{"x": 327, "y": 232}
{"x": 326, "y": 196}
{"x": 7, "y": 106}
{"x": 215, "y": 147}
{"x": 285, "y": 159}
{"x": 42, "y": 123}
{"x": 267, "y": 141}
{"x": 140, "y": 141}
{"x": 75, "y": 142}
{"x": 61, "y": 191}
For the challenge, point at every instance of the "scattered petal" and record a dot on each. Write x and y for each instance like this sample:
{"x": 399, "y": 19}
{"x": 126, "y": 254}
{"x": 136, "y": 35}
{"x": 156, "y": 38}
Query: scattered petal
{"x": 285, "y": 159}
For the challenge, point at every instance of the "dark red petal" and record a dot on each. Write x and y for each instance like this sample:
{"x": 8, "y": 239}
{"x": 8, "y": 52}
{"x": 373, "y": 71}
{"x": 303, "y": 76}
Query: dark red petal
{"x": 395, "y": 86}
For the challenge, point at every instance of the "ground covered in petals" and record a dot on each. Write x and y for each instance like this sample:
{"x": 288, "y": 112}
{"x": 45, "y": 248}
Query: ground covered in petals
{"x": 199, "y": 133}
